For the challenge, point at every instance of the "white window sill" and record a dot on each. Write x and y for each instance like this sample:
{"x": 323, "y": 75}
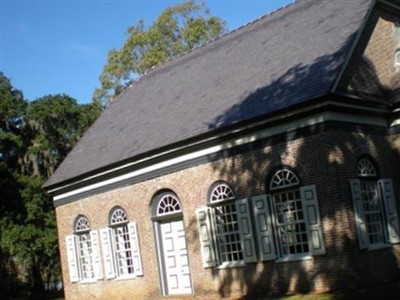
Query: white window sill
{"x": 294, "y": 258}
{"x": 88, "y": 281}
{"x": 233, "y": 264}
{"x": 125, "y": 277}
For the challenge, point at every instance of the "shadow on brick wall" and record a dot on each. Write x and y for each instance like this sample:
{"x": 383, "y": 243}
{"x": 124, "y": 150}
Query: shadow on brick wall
{"x": 325, "y": 155}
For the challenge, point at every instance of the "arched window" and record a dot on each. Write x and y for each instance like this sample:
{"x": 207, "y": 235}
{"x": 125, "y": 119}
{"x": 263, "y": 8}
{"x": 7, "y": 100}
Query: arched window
{"x": 365, "y": 168}
{"x": 226, "y": 230}
{"x": 225, "y": 219}
{"x": 288, "y": 206}
{"x": 83, "y": 252}
{"x": 283, "y": 178}
{"x": 397, "y": 57}
{"x": 375, "y": 207}
{"x": 82, "y": 224}
{"x": 221, "y": 192}
{"x": 120, "y": 242}
{"x": 118, "y": 216}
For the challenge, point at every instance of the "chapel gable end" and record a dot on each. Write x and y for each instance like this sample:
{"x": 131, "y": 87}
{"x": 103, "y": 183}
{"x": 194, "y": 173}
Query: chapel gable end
{"x": 373, "y": 71}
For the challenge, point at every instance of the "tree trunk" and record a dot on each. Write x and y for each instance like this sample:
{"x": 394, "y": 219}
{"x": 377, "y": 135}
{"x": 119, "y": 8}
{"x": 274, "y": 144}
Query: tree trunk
{"x": 37, "y": 284}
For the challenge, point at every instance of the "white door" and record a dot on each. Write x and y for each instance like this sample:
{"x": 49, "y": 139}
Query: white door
{"x": 175, "y": 256}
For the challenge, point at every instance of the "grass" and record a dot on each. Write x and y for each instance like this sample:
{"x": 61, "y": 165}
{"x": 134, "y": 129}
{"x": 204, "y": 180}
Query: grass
{"x": 384, "y": 292}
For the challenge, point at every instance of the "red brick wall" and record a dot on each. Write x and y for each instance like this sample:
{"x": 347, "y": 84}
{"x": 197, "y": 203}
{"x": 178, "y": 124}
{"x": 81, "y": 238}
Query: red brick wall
{"x": 326, "y": 158}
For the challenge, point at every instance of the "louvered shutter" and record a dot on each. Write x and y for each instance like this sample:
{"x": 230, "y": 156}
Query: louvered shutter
{"x": 313, "y": 219}
{"x": 359, "y": 213}
{"x": 72, "y": 258}
{"x": 246, "y": 230}
{"x": 108, "y": 253}
{"x": 206, "y": 237}
{"x": 98, "y": 272}
{"x": 263, "y": 222}
{"x": 137, "y": 260}
{"x": 392, "y": 221}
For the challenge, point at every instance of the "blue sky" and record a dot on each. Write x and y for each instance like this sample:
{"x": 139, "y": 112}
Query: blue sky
{"x": 60, "y": 46}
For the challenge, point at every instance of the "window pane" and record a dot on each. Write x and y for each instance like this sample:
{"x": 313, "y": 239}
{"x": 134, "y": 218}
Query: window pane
{"x": 291, "y": 226}
{"x": 227, "y": 231}
{"x": 85, "y": 255}
{"x": 373, "y": 211}
{"x": 123, "y": 250}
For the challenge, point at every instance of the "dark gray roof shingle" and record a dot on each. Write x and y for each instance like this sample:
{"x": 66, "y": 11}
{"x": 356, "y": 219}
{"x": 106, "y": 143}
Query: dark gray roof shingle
{"x": 280, "y": 60}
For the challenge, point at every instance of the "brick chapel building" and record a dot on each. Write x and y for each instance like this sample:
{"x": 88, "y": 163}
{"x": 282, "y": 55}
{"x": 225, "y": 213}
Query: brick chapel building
{"x": 264, "y": 162}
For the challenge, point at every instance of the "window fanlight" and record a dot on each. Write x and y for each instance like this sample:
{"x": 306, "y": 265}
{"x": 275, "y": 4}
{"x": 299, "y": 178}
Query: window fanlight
{"x": 397, "y": 58}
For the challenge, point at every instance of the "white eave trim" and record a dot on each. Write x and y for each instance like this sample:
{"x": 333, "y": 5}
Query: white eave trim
{"x": 304, "y": 122}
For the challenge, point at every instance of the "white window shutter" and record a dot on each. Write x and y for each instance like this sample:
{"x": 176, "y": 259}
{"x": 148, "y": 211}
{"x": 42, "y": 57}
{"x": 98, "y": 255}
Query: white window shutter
{"x": 137, "y": 260}
{"x": 246, "y": 230}
{"x": 108, "y": 252}
{"x": 313, "y": 219}
{"x": 72, "y": 258}
{"x": 359, "y": 213}
{"x": 263, "y": 222}
{"x": 98, "y": 272}
{"x": 386, "y": 189}
{"x": 206, "y": 237}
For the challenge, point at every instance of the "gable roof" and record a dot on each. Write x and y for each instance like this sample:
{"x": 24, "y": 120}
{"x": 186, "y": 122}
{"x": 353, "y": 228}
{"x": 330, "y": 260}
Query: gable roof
{"x": 280, "y": 60}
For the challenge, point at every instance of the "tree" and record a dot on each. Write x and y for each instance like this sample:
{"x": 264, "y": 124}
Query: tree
{"x": 34, "y": 138}
{"x": 12, "y": 108}
{"x": 53, "y": 126}
{"x": 177, "y": 30}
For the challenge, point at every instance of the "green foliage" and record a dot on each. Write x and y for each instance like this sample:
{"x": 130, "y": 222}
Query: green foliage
{"x": 177, "y": 29}
{"x": 34, "y": 138}
{"x": 54, "y": 124}
{"x": 12, "y": 108}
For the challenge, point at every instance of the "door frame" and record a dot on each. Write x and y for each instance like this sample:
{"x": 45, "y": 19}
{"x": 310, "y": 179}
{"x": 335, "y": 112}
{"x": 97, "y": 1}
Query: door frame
{"x": 159, "y": 219}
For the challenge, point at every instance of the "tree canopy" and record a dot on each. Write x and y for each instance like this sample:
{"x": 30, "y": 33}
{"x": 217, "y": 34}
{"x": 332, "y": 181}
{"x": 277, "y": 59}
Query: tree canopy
{"x": 177, "y": 30}
{"x": 34, "y": 138}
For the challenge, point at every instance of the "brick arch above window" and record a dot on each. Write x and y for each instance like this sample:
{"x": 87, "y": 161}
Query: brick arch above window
{"x": 166, "y": 185}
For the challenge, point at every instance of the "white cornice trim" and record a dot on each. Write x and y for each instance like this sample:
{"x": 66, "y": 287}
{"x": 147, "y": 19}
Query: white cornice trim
{"x": 304, "y": 122}
{"x": 218, "y": 137}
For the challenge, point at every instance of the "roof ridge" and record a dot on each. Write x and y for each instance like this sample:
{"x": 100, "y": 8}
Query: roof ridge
{"x": 175, "y": 57}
